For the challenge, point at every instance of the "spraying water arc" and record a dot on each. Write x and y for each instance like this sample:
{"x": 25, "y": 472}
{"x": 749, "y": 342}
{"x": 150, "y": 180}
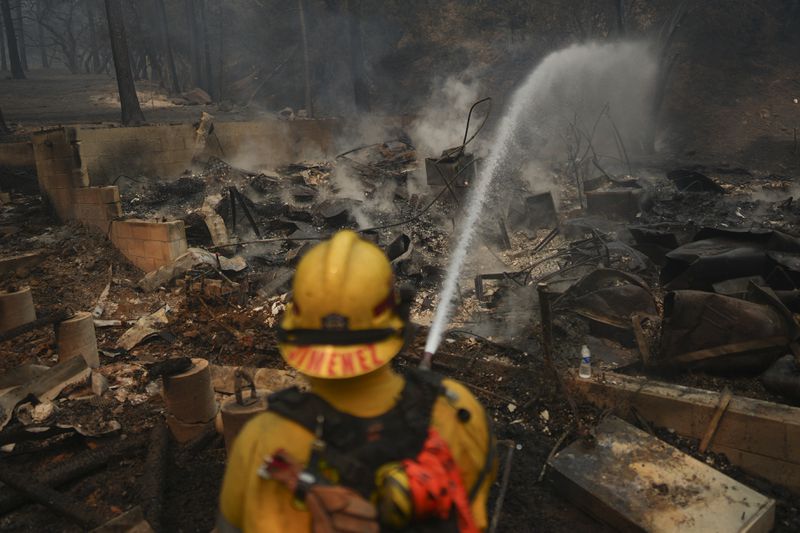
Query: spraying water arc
{"x": 578, "y": 79}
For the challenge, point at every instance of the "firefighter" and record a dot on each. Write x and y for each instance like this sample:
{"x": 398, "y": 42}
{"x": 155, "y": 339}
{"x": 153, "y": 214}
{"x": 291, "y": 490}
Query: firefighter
{"x": 364, "y": 449}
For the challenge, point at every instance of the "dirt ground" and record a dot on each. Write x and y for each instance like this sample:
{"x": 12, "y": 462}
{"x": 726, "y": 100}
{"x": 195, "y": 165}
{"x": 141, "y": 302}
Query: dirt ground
{"x": 56, "y": 97}
{"x": 529, "y": 409}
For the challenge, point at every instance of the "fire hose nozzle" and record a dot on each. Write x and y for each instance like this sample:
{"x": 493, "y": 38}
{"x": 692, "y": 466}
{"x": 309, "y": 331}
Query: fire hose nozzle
{"x": 425, "y": 364}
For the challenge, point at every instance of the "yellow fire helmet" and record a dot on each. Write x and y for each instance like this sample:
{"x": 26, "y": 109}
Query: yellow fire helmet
{"x": 343, "y": 320}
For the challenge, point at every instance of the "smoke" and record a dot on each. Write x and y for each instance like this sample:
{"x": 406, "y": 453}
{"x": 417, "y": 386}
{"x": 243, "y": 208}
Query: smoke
{"x": 593, "y": 88}
{"x": 567, "y": 87}
{"x": 442, "y": 120}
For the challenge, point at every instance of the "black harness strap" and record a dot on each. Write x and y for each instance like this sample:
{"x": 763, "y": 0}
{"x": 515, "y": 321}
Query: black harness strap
{"x": 356, "y": 447}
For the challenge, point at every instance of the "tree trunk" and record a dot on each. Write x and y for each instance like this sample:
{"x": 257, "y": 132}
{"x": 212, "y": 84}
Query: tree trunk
{"x": 4, "y": 129}
{"x": 174, "y": 85}
{"x": 208, "y": 76}
{"x": 360, "y": 86}
{"x": 3, "y": 62}
{"x": 131, "y": 112}
{"x": 11, "y": 38}
{"x": 221, "y": 58}
{"x": 93, "y": 42}
{"x": 621, "y": 18}
{"x": 42, "y": 47}
{"x": 194, "y": 38}
{"x": 21, "y": 36}
{"x": 306, "y": 63}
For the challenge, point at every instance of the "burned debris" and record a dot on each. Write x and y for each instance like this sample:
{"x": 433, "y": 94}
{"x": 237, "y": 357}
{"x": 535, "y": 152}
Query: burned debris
{"x": 187, "y": 348}
{"x": 617, "y": 289}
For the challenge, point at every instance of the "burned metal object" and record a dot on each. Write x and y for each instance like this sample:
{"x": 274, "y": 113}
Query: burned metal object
{"x": 618, "y": 203}
{"x": 454, "y": 168}
{"x": 717, "y": 333}
{"x": 717, "y": 255}
{"x": 236, "y": 411}
{"x": 607, "y": 299}
{"x": 236, "y": 197}
{"x": 738, "y": 287}
{"x": 399, "y": 248}
{"x": 657, "y": 241}
{"x": 336, "y": 213}
{"x": 690, "y": 180}
{"x": 532, "y": 213}
{"x": 783, "y": 378}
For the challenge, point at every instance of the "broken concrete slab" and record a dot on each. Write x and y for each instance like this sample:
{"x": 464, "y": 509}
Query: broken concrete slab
{"x": 762, "y": 438}
{"x": 44, "y": 387}
{"x": 187, "y": 261}
{"x": 21, "y": 374}
{"x": 223, "y": 378}
{"x": 636, "y": 482}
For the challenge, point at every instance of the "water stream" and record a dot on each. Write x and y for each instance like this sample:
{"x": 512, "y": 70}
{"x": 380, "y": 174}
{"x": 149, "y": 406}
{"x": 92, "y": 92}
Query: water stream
{"x": 579, "y": 80}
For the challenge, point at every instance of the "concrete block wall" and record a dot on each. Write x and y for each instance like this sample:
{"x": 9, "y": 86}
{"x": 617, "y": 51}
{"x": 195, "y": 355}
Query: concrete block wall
{"x": 163, "y": 150}
{"x": 58, "y": 169}
{"x": 166, "y": 150}
{"x": 97, "y": 206}
{"x": 17, "y": 154}
{"x": 148, "y": 244}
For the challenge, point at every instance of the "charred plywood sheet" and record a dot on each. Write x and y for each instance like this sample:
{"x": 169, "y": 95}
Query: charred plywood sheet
{"x": 636, "y": 482}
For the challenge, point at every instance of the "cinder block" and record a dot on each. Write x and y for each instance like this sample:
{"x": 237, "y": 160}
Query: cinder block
{"x": 177, "y": 249}
{"x": 140, "y": 230}
{"x": 62, "y": 202}
{"x": 150, "y": 264}
{"x": 138, "y": 247}
{"x": 121, "y": 230}
{"x": 64, "y": 164}
{"x": 78, "y": 178}
{"x": 155, "y": 249}
{"x": 86, "y": 195}
{"x": 109, "y": 194}
{"x": 61, "y": 180}
{"x": 113, "y": 210}
{"x": 167, "y": 231}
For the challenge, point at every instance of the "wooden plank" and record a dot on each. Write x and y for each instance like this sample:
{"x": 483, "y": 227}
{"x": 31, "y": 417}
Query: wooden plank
{"x": 724, "y": 400}
{"x": 754, "y": 428}
{"x": 636, "y": 482}
{"x": 774, "y": 470}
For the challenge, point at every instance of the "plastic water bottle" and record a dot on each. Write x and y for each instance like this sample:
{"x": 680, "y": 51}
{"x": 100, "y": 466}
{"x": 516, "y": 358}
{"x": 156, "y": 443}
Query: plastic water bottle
{"x": 585, "y": 370}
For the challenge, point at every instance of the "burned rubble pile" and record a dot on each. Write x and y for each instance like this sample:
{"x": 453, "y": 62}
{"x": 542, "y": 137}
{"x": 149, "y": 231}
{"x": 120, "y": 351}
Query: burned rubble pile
{"x": 679, "y": 276}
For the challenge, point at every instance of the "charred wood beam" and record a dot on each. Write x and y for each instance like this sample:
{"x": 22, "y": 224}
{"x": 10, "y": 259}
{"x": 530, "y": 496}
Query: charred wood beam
{"x": 56, "y": 317}
{"x": 24, "y": 434}
{"x": 51, "y": 498}
{"x": 154, "y": 478}
{"x": 72, "y": 469}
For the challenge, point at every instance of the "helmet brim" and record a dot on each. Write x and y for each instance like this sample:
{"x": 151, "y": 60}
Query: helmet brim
{"x": 329, "y": 361}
